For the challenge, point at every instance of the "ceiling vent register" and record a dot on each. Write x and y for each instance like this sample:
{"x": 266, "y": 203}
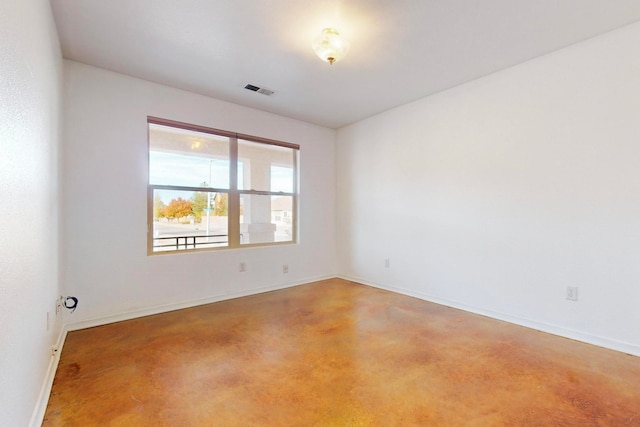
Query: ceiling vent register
{"x": 258, "y": 89}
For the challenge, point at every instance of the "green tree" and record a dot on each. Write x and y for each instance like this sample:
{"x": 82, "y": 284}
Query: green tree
{"x": 199, "y": 201}
{"x": 222, "y": 202}
{"x": 158, "y": 207}
{"x": 178, "y": 208}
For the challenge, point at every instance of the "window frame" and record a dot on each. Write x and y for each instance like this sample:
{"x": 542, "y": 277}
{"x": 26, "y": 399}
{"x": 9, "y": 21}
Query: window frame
{"x": 233, "y": 207}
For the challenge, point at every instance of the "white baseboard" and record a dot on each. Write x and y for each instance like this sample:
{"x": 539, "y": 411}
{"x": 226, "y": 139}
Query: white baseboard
{"x": 521, "y": 321}
{"x": 43, "y": 397}
{"x": 148, "y": 311}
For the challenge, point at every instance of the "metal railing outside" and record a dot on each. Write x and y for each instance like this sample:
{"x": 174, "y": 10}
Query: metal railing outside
{"x": 189, "y": 242}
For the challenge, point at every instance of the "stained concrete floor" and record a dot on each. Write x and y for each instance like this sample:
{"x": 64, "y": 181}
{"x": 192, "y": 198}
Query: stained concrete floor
{"x": 335, "y": 353}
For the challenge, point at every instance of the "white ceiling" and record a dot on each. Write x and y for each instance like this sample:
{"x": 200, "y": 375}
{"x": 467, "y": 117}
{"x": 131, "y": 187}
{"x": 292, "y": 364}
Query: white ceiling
{"x": 401, "y": 50}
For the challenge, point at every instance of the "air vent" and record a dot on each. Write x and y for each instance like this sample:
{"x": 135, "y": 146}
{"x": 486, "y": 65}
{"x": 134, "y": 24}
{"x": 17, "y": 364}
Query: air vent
{"x": 262, "y": 90}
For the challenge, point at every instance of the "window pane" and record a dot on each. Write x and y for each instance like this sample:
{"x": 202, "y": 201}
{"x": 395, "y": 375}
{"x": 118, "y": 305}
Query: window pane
{"x": 189, "y": 220}
{"x": 266, "y": 219}
{"x": 190, "y": 186}
{"x": 264, "y": 167}
{"x": 187, "y": 158}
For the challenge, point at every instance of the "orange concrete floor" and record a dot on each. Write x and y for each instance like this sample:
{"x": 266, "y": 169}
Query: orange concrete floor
{"x": 335, "y": 353}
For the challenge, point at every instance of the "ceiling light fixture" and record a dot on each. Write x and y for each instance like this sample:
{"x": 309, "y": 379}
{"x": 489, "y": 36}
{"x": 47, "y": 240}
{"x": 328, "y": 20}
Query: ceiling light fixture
{"x": 330, "y": 46}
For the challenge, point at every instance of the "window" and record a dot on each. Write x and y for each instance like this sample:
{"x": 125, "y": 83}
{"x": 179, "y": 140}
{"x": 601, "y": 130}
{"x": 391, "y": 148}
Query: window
{"x": 212, "y": 189}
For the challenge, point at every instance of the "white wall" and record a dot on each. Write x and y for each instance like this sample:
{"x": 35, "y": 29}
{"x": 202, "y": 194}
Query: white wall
{"x": 496, "y": 195}
{"x": 30, "y": 91}
{"x": 105, "y": 178}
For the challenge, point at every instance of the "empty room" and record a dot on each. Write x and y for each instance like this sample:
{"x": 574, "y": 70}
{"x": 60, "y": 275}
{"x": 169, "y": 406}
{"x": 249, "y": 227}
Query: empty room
{"x": 331, "y": 213}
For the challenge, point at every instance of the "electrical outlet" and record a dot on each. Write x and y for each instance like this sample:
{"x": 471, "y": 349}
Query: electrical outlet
{"x": 387, "y": 263}
{"x": 243, "y": 267}
{"x": 572, "y": 293}
{"x": 285, "y": 269}
{"x": 54, "y": 350}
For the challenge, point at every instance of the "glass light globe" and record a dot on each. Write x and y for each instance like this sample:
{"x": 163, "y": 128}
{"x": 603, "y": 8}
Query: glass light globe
{"x": 330, "y": 46}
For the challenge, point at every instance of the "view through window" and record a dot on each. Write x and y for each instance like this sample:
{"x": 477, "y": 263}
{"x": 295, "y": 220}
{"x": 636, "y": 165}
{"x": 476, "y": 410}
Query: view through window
{"x": 211, "y": 189}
